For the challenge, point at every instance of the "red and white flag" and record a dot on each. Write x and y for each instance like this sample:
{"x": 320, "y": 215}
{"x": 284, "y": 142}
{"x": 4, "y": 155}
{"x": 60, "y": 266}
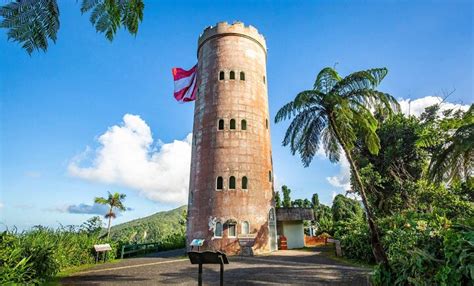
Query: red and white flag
{"x": 185, "y": 86}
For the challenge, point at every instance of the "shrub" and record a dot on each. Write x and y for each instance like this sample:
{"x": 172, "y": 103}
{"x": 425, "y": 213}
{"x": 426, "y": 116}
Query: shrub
{"x": 355, "y": 240}
{"x": 458, "y": 268}
{"x": 173, "y": 241}
{"x": 424, "y": 249}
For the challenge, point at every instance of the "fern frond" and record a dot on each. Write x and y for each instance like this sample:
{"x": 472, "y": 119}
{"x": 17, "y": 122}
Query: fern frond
{"x": 31, "y": 23}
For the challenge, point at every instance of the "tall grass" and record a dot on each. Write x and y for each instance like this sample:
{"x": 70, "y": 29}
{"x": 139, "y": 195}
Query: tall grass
{"x": 32, "y": 257}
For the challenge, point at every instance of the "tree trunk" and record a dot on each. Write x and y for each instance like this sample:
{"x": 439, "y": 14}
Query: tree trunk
{"x": 110, "y": 222}
{"x": 377, "y": 248}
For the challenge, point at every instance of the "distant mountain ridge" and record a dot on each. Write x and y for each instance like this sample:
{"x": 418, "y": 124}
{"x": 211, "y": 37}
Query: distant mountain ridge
{"x": 161, "y": 226}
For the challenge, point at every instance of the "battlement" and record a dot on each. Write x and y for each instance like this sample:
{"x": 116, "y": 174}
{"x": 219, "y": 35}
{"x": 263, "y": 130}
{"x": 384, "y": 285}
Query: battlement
{"x": 236, "y": 28}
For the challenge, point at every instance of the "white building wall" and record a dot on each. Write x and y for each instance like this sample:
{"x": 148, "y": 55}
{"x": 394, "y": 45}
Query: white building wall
{"x": 294, "y": 233}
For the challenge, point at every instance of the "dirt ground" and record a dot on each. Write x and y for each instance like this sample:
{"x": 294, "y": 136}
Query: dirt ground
{"x": 291, "y": 267}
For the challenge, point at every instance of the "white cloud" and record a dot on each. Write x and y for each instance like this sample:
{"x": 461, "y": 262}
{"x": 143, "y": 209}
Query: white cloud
{"x": 343, "y": 179}
{"x": 127, "y": 157}
{"x": 417, "y": 106}
{"x": 1, "y": 205}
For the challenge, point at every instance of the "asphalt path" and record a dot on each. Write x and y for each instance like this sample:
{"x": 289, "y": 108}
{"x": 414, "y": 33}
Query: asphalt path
{"x": 290, "y": 267}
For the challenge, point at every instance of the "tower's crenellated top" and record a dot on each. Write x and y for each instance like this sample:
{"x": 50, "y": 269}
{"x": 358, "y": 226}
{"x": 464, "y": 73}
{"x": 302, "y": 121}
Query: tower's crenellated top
{"x": 235, "y": 29}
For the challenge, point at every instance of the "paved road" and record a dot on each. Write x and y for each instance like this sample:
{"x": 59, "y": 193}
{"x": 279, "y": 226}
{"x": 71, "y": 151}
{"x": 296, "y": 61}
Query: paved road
{"x": 282, "y": 267}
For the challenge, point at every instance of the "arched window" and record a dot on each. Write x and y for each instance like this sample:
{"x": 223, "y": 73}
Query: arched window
{"x": 232, "y": 124}
{"x": 245, "y": 227}
{"x": 263, "y": 79}
{"x": 232, "y": 75}
{"x": 266, "y": 123}
{"x": 269, "y": 176}
{"x": 243, "y": 124}
{"x": 232, "y": 182}
{"x": 220, "y": 183}
{"x": 242, "y": 75}
{"x": 231, "y": 229}
{"x": 244, "y": 183}
{"x": 221, "y": 124}
{"x": 221, "y": 75}
{"x": 218, "y": 230}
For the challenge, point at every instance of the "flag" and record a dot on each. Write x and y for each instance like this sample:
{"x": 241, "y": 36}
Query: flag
{"x": 185, "y": 86}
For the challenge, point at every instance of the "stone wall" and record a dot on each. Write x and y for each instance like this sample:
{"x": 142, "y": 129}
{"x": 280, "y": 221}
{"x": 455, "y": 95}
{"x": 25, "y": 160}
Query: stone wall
{"x": 231, "y": 152}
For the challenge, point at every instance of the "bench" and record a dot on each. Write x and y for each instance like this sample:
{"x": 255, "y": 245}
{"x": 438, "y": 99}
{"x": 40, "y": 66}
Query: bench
{"x": 208, "y": 257}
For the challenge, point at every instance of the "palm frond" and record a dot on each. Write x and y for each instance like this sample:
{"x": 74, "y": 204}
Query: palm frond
{"x": 454, "y": 159}
{"x": 307, "y": 141}
{"x": 32, "y": 23}
{"x": 361, "y": 80}
{"x": 304, "y": 99}
{"x": 108, "y": 16}
{"x": 100, "y": 200}
{"x": 331, "y": 145}
{"x": 326, "y": 80}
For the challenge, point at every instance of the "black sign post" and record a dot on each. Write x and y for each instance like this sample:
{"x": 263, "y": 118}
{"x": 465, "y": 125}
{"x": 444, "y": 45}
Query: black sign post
{"x": 208, "y": 257}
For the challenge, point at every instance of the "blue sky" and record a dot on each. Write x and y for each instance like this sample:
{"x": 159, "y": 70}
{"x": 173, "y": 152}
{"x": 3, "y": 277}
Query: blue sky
{"x": 56, "y": 105}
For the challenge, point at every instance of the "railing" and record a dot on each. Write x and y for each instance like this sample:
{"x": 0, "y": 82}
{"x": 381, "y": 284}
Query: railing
{"x": 141, "y": 248}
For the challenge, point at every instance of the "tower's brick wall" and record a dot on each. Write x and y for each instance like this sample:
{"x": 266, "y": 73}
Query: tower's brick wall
{"x": 227, "y": 152}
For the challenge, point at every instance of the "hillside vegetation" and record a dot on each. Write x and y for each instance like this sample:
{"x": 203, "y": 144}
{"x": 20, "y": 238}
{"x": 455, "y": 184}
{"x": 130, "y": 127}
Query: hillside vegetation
{"x": 37, "y": 255}
{"x": 160, "y": 227}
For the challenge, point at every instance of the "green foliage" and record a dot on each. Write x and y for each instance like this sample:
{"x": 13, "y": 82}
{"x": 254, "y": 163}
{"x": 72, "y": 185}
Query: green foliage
{"x": 337, "y": 113}
{"x": 325, "y": 220}
{"x": 425, "y": 249}
{"x": 390, "y": 177}
{"x": 36, "y": 256}
{"x": 322, "y": 215}
{"x": 331, "y": 111}
{"x": 445, "y": 201}
{"x": 458, "y": 268}
{"x": 315, "y": 200}
{"x": 32, "y": 23}
{"x": 453, "y": 159}
{"x": 277, "y": 199}
{"x": 109, "y": 15}
{"x": 113, "y": 201}
{"x": 355, "y": 240}
{"x": 286, "y": 197}
{"x": 93, "y": 226}
{"x": 168, "y": 227}
{"x": 346, "y": 209}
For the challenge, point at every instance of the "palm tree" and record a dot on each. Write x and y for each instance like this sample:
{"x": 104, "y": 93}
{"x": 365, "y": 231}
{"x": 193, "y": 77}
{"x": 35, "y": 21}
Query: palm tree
{"x": 113, "y": 201}
{"x": 453, "y": 159}
{"x": 335, "y": 112}
{"x": 33, "y": 23}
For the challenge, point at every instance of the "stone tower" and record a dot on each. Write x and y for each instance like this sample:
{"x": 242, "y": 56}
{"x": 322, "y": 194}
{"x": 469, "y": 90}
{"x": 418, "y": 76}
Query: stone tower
{"x": 231, "y": 184}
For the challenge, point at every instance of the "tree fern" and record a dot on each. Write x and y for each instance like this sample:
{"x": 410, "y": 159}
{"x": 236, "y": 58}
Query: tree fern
{"x": 108, "y": 16}
{"x": 32, "y": 23}
{"x": 334, "y": 113}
